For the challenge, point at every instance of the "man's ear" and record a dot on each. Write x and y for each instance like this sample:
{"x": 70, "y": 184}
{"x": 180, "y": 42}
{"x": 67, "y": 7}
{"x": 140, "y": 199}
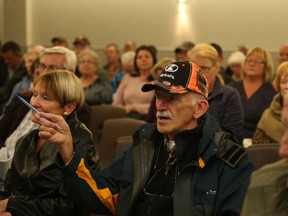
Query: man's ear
{"x": 201, "y": 108}
{"x": 69, "y": 108}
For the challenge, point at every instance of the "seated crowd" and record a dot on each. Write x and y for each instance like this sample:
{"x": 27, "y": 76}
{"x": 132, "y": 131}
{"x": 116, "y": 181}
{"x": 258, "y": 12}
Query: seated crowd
{"x": 196, "y": 102}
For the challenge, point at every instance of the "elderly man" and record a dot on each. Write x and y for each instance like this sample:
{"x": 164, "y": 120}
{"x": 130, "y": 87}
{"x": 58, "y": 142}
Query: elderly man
{"x": 183, "y": 165}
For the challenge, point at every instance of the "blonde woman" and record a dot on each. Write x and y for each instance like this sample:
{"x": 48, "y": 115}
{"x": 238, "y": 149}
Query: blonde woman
{"x": 256, "y": 90}
{"x": 224, "y": 101}
{"x": 35, "y": 183}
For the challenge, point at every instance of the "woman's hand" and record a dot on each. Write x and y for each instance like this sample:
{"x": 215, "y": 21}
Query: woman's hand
{"x": 5, "y": 213}
{"x": 56, "y": 131}
{"x": 3, "y": 205}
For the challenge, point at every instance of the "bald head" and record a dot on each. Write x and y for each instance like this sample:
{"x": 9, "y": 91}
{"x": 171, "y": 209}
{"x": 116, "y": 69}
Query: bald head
{"x": 283, "y": 53}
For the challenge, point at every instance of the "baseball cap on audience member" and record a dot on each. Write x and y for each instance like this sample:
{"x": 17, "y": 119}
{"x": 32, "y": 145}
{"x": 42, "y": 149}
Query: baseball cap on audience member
{"x": 179, "y": 78}
{"x": 81, "y": 39}
{"x": 185, "y": 46}
{"x": 59, "y": 40}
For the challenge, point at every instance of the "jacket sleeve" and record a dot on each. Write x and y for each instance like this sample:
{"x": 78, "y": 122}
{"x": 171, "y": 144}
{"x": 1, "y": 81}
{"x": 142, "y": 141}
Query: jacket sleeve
{"x": 84, "y": 142}
{"x": 95, "y": 192}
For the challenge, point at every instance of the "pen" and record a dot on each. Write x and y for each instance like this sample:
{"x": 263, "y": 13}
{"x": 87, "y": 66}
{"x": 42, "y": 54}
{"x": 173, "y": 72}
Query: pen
{"x": 31, "y": 107}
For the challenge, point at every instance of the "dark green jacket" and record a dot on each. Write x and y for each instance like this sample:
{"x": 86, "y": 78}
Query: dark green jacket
{"x": 213, "y": 184}
{"x": 267, "y": 192}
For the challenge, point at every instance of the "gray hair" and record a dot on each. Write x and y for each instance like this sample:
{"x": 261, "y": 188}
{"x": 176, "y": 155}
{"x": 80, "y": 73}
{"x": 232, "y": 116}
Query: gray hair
{"x": 90, "y": 53}
{"x": 195, "y": 97}
{"x": 70, "y": 59}
{"x": 128, "y": 57}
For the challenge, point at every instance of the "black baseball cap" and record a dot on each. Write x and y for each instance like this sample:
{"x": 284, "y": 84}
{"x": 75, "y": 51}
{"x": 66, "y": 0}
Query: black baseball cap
{"x": 179, "y": 78}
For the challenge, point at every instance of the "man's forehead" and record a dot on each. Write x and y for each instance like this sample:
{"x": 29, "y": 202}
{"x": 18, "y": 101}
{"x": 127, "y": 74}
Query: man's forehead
{"x": 55, "y": 57}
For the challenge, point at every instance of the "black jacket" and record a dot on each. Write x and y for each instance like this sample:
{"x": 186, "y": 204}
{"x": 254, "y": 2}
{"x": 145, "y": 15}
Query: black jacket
{"x": 212, "y": 183}
{"x": 35, "y": 182}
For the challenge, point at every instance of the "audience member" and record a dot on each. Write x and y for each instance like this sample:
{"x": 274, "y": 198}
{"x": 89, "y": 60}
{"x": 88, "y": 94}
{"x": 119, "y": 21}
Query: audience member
{"x": 256, "y": 91}
{"x": 129, "y": 46}
{"x": 11, "y": 72}
{"x": 174, "y": 167}
{"x": 243, "y": 49}
{"x": 81, "y": 43}
{"x": 182, "y": 50}
{"x": 59, "y": 41}
{"x": 128, "y": 94}
{"x": 96, "y": 91}
{"x": 16, "y": 115}
{"x": 37, "y": 48}
{"x": 225, "y": 76}
{"x": 270, "y": 129}
{"x": 26, "y": 83}
{"x": 156, "y": 71}
{"x": 34, "y": 185}
{"x": 127, "y": 61}
{"x": 283, "y": 53}
{"x": 113, "y": 66}
{"x": 224, "y": 101}
{"x": 267, "y": 192}
{"x": 235, "y": 65}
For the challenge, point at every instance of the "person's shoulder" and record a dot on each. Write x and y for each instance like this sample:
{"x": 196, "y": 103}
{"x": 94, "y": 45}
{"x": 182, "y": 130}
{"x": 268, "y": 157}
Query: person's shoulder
{"x": 235, "y": 83}
{"x": 146, "y": 130}
{"x": 269, "y": 87}
{"x": 229, "y": 90}
{"x": 230, "y": 151}
{"x": 277, "y": 172}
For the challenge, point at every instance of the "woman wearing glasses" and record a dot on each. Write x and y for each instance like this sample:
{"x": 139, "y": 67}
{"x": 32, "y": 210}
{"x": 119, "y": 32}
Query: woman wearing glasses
{"x": 256, "y": 90}
{"x": 96, "y": 91}
{"x": 224, "y": 101}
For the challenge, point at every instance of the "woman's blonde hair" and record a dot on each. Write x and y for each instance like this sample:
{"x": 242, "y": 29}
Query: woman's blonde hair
{"x": 62, "y": 85}
{"x": 204, "y": 50}
{"x": 160, "y": 65}
{"x": 266, "y": 57}
{"x": 282, "y": 70}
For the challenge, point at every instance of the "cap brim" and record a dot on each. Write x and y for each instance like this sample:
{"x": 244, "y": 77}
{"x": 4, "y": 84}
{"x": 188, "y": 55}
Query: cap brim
{"x": 159, "y": 85}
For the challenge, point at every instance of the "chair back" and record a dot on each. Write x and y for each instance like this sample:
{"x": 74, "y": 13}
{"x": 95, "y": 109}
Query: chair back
{"x": 100, "y": 113}
{"x": 112, "y": 130}
{"x": 262, "y": 154}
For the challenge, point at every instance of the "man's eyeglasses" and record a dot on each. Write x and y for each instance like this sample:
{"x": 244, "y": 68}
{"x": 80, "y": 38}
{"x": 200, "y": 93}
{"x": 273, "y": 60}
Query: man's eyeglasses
{"x": 205, "y": 69}
{"x": 43, "y": 67}
{"x": 255, "y": 61}
{"x": 87, "y": 62}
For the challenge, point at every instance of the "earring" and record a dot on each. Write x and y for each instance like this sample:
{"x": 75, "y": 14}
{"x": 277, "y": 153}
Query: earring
{"x": 66, "y": 114}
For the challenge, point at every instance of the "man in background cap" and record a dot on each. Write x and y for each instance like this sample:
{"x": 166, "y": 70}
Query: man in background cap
{"x": 182, "y": 50}
{"x": 59, "y": 41}
{"x": 183, "y": 165}
{"x": 81, "y": 43}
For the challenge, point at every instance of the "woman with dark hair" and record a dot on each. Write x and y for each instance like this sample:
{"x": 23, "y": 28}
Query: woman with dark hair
{"x": 129, "y": 94}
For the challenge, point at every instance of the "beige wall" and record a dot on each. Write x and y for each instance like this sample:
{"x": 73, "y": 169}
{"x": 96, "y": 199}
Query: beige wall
{"x": 228, "y": 22}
